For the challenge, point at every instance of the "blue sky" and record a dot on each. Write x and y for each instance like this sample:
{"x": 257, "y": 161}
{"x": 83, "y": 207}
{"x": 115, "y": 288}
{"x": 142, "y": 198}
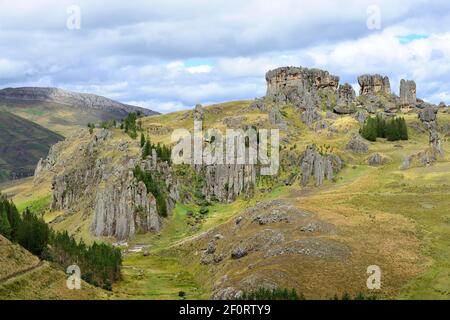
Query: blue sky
{"x": 170, "y": 55}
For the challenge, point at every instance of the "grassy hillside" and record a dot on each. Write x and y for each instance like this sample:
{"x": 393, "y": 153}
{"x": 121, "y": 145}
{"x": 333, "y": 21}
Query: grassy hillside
{"x": 56, "y": 117}
{"x": 22, "y": 144}
{"x": 24, "y": 276}
{"x": 396, "y": 219}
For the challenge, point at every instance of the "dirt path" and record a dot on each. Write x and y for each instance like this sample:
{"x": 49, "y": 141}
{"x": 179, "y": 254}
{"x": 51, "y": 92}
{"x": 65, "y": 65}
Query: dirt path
{"x": 22, "y": 272}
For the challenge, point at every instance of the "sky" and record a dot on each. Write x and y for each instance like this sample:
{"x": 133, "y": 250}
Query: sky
{"x": 170, "y": 55}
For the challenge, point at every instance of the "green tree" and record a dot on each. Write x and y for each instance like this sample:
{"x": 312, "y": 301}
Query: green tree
{"x": 33, "y": 233}
{"x": 5, "y": 227}
{"x": 142, "y": 140}
{"x": 369, "y": 129}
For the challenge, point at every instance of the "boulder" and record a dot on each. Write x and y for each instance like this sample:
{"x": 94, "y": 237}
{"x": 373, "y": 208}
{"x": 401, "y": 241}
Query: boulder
{"x": 360, "y": 116}
{"x": 377, "y": 159}
{"x": 358, "y": 145}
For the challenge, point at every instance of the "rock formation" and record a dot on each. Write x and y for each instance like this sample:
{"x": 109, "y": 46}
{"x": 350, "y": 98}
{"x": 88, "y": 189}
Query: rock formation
{"x": 357, "y": 144}
{"x": 85, "y": 180}
{"x": 429, "y": 119}
{"x": 225, "y": 183}
{"x": 290, "y": 84}
{"x": 312, "y": 163}
{"x": 346, "y": 94}
{"x": 304, "y": 88}
{"x": 198, "y": 112}
{"x": 377, "y": 159}
{"x": 407, "y": 93}
{"x": 374, "y": 84}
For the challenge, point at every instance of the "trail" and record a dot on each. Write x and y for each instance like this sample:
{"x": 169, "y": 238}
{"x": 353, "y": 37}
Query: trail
{"x": 22, "y": 272}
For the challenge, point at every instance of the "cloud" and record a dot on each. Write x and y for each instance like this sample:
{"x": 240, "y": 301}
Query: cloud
{"x": 172, "y": 54}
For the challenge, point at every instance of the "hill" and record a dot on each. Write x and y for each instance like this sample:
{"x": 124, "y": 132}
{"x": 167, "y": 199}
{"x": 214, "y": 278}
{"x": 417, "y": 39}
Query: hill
{"x": 23, "y": 276}
{"x": 338, "y": 204}
{"x": 22, "y": 144}
{"x": 60, "y": 110}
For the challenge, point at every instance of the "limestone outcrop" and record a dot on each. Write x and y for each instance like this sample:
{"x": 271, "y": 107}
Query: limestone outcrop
{"x": 346, "y": 94}
{"x": 377, "y": 159}
{"x": 86, "y": 180}
{"x": 299, "y": 86}
{"x": 428, "y": 117}
{"x": 224, "y": 183}
{"x": 408, "y": 96}
{"x": 374, "y": 84}
{"x": 319, "y": 166}
{"x": 357, "y": 145}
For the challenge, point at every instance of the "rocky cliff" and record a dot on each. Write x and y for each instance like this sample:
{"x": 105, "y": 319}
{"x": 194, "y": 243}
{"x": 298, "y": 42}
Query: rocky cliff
{"x": 225, "y": 183}
{"x": 93, "y": 174}
{"x": 299, "y": 86}
{"x": 373, "y": 84}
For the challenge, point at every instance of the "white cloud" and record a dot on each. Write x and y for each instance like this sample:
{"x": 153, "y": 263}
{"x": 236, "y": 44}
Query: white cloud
{"x": 199, "y": 69}
{"x": 144, "y": 52}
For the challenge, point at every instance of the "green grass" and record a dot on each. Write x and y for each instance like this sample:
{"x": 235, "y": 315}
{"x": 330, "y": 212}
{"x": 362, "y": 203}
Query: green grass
{"x": 26, "y": 142}
{"x": 156, "y": 277}
{"x": 35, "y": 205}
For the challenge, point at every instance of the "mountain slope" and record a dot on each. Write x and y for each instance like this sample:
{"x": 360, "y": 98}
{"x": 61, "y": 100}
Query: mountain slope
{"x": 24, "y": 276}
{"x": 22, "y": 144}
{"x": 61, "y": 110}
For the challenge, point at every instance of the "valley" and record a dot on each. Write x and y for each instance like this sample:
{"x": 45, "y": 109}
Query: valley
{"x": 339, "y": 204}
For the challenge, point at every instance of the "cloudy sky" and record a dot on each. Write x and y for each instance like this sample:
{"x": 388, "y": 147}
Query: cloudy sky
{"x": 170, "y": 55}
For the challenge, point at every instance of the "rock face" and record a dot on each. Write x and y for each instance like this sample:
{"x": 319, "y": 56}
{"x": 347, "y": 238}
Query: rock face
{"x": 287, "y": 82}
{"x": 358, "y": 145}
{"x": 377, "y": 159}
{"x": 73, "y": 99}
{"x": 225, "y": 183}
{"x": 312, "y": 163}
{"x": 408, "y": 96}
{"x": 198, "y": 112}
{"x": 123, "y": 210}
{"x": 429, "y": 119}
{"x": 299, "y": 86}
{"x": 346, "y": 94}
{"x": 87, "y": 182}
{"x": 373, "y": 84}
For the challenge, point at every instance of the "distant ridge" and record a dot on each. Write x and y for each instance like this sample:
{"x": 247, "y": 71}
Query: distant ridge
{"x": 69, "y": 98}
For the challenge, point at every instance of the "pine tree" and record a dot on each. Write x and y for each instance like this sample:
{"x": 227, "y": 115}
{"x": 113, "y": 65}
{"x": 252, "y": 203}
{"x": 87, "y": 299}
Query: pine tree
{"x": 5, "y": 227}
{"x": 147, "y": 150}
{"x": 33, "y": 233}
{"x": 142, "y": 140}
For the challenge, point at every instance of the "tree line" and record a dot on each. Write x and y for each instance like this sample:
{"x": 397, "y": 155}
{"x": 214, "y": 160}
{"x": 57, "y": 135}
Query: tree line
{"x": 163, "y": 152}
{"x": 393, "y": 129}
{"x": 100, "y": 263}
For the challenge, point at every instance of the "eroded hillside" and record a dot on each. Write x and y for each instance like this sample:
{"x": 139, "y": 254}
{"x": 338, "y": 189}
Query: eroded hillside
{"x": 339, "y": 203}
